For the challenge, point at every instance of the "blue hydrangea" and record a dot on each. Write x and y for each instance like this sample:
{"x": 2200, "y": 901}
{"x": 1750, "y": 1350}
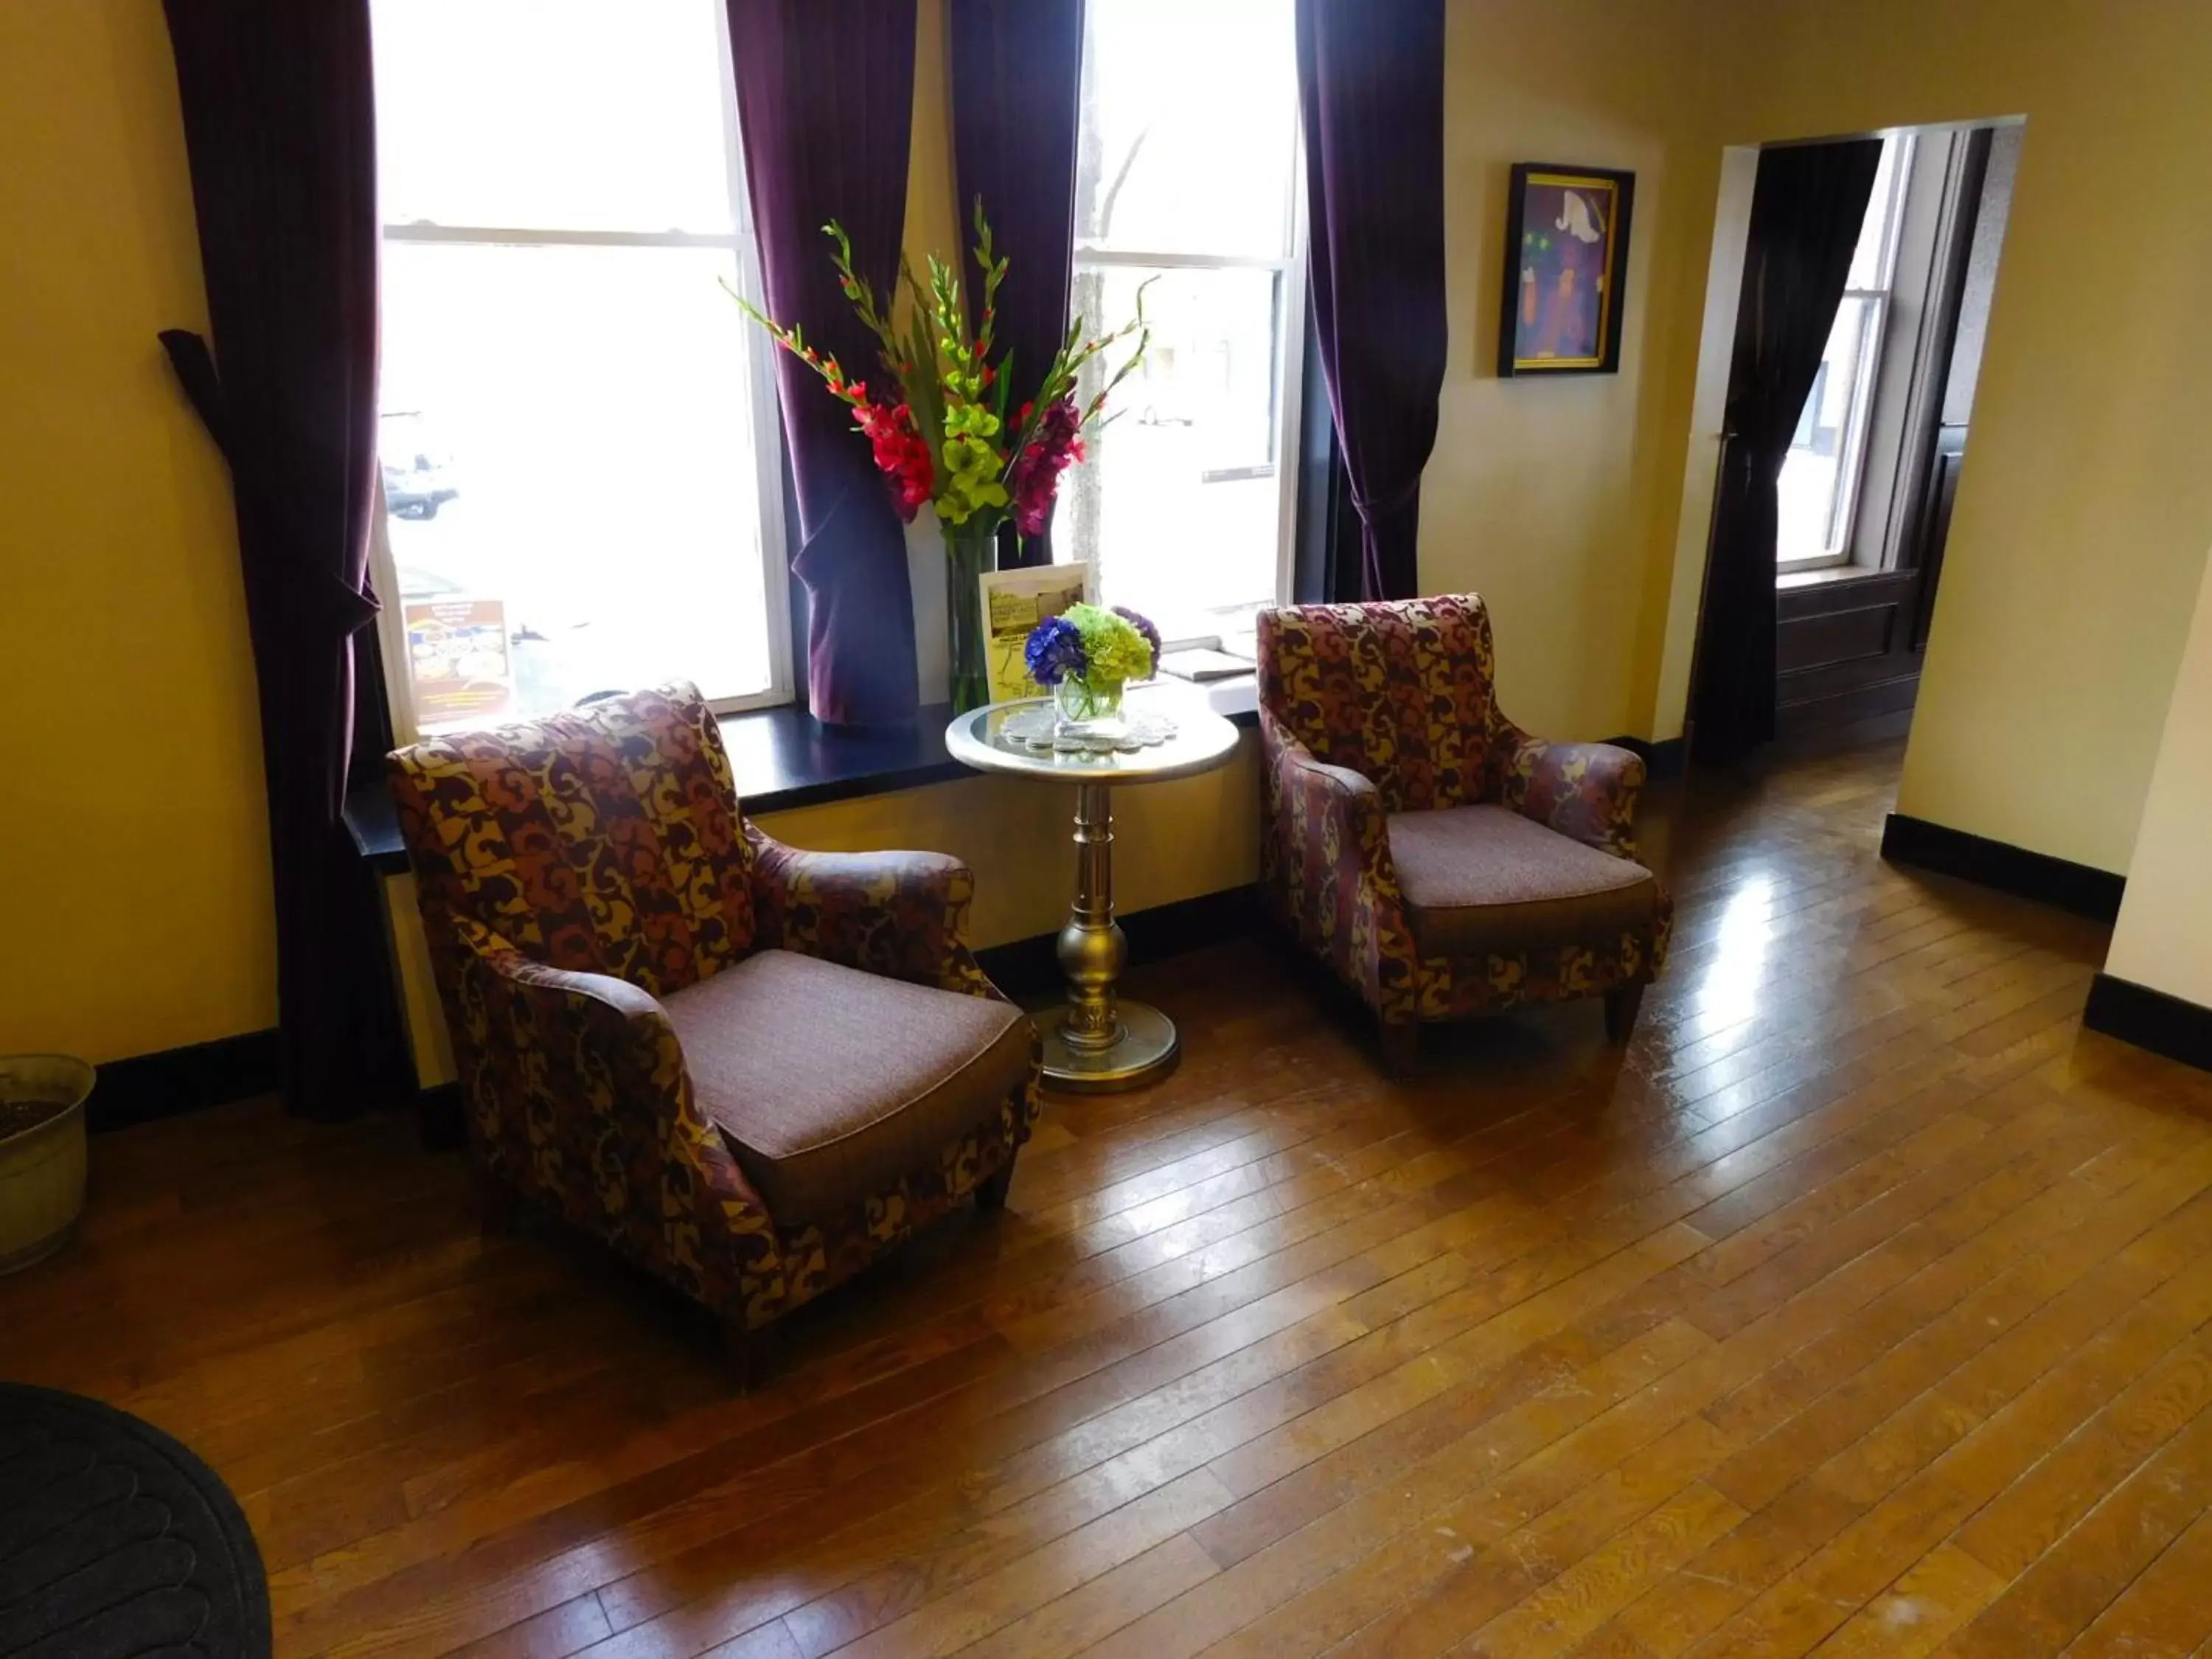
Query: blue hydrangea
{"x": 1055, "y": 652}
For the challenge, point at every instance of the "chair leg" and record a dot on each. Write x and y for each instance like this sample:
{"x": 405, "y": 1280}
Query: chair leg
{"x": 1620, "y": 1006}
{"x": 1401, "y": 1050}
{"x": 992, "y": 1193}
{"x": 749, "y": 1352}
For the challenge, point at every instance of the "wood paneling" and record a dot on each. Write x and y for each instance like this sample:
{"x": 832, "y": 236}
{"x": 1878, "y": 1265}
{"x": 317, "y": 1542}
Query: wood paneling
{"x": 1861, "y": 1300}
{"x": 1837, "y": 636}
{"x": 1844, "y": 652}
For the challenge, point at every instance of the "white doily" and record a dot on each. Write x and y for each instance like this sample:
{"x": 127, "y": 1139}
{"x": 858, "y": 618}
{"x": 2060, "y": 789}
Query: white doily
{"x": 1036, "y": 731}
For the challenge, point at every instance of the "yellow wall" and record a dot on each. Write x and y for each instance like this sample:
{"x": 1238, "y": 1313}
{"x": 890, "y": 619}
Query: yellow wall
{"x": 1579, "y": 507}
{"x": 134, "y": 887}
{"x": 2164, "y": 937}
{"x": 1557, "y": 499}
{"x": 1172, "y": 841}
{"x": 137, "y": 892}
{"x": 2085, "y": 507}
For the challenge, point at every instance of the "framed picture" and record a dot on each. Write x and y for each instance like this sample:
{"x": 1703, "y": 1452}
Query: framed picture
{"x": 1014, "y": 602}
{"x": 1566, "y": 268}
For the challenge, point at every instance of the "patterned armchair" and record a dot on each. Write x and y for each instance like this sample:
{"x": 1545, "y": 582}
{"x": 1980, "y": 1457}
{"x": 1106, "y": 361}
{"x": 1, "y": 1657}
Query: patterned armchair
{"x": 1442, "y": 862}
{"x": 751, "y": 1070}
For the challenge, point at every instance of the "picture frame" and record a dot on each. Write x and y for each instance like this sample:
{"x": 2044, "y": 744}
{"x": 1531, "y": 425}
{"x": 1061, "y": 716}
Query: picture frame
{"x": 1016, "y": 601}
{"x": 1565, "y": 282}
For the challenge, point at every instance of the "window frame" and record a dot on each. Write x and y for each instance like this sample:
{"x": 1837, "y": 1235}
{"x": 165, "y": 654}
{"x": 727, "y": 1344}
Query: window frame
{"x": 1850, "y": 466}
{"x": 760, "y": 388}
{"x": 1289, "y": 380}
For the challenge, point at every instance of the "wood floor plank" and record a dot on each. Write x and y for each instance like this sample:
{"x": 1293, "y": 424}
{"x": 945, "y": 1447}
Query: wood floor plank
{"x": 1861, "y": 1303}
{"x": 2166, "y": 1610}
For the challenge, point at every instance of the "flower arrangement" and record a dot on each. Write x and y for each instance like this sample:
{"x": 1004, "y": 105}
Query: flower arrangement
{"x": 946, "y": 432}
{"x": 1087, "y": 654}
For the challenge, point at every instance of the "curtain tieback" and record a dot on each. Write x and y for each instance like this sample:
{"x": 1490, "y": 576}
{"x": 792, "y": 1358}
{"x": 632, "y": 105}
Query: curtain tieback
{"x": 345, "y": 610}
{"x": 194, "y": 365}
{"x": 349, "y": 609}
{"x": 1370, "y": 508}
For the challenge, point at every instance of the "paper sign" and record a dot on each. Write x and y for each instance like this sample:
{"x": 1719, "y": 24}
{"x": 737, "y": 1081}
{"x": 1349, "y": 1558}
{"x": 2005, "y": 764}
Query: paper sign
{"x": 456, "y": 661}
{"x": 1014, "y": 602}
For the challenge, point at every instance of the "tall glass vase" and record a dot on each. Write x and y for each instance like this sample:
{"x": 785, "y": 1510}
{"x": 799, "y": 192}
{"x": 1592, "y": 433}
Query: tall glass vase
{"x": 970, "y": 548}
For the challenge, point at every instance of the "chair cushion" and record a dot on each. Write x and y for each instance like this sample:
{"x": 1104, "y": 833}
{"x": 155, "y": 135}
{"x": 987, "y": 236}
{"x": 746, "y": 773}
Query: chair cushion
{"x": 1479, "y": 880}
{"x": 829, "y": 1083}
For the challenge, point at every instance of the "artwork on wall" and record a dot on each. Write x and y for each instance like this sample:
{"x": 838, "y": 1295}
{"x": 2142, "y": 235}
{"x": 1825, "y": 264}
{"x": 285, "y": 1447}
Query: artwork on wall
{"x": 1566, "y": 265}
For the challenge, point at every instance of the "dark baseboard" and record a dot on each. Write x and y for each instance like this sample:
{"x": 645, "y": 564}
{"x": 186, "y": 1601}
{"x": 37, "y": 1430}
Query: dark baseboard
{"x": 1662, "y": 760}
{"x": 2080, "y": 888}
{"x": 162, "y": 1084}
{"x": 1028, "y": 966}
{"x": 2167, "y": 1025}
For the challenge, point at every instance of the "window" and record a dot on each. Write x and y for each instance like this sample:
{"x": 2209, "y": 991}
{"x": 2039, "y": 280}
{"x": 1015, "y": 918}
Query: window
{"x": 579, "y": 471}
{"x": 1820, "y": 477}
{"x": 1187, "y": 176}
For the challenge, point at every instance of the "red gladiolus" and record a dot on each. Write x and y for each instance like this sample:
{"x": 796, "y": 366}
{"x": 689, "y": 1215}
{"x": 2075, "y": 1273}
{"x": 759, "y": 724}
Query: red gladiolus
{"x": 900, "y": 452}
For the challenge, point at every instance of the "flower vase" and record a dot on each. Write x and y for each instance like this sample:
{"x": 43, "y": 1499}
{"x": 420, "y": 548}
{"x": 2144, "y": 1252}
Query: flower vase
{"x": 1088, "y": 711}
{"x": 970, "y": 550}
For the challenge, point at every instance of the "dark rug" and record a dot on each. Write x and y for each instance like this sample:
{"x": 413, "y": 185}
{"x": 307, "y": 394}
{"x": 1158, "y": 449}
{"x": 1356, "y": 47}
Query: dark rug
{"x": 116, "y": 1541}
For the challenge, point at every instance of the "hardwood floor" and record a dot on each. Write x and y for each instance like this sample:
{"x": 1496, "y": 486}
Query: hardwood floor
{"x": 1862, "y": 1305}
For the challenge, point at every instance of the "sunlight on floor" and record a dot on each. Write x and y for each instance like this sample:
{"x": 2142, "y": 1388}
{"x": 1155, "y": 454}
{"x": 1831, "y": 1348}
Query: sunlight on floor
{"x": 1730, "y": 989}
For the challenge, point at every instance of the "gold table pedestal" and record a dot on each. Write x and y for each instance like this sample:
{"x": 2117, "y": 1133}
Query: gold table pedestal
{"x": 1096, "y": 1043}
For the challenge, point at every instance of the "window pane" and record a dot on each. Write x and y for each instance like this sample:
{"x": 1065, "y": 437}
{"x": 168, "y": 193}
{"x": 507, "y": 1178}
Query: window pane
{"x": 1870, "y": 258}
{"x": 1811, "y": 524}
{"x": 559, "y": 114}
{"x": 1189, "y": 118}
{"x": 1179, "y": 502}
{"x": 568, "y": 457}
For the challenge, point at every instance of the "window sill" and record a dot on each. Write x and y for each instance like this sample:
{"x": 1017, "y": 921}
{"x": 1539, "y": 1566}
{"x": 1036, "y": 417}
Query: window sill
{"x": 1824, "y": 575}
{"x": 783, "y": 758}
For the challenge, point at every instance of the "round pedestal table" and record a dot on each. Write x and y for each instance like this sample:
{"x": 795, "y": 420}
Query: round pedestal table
{"x": 1097, "y": 1041}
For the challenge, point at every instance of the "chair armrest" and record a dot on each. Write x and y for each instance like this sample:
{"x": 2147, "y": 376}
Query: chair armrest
{"x": 1328, "y": 862}
{"x": 581, "y": 1094}
{"x": 1587, "y": 791}
{"x": 901, "y": 914}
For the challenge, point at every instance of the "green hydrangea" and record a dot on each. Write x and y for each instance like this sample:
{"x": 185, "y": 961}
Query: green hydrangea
{"x": 1115, "y": 650}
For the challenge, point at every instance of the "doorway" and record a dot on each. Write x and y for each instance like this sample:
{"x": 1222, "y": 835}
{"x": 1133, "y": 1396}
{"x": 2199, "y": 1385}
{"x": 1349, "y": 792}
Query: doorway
{"x": 1864, "y": 492}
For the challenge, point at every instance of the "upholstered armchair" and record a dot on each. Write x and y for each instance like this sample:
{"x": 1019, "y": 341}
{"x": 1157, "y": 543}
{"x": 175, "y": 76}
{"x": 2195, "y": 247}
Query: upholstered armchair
{"x": 1442, "y": 862}
{"x": 750, "y": 1069}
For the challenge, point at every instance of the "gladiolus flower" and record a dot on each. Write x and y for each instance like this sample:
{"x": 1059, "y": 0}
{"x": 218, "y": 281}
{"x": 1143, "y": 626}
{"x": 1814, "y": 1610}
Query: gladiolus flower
{"x": 1055, "y": 445}
{"x": 901, "y": 454}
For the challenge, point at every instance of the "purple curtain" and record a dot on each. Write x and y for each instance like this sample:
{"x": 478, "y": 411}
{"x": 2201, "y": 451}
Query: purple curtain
{"x": 1017, "y": 93}
{"x": 1805, "y": 210}
{"x": 1372, "y": 92}
{"x": 825, "y": 100}
{"x": 279, "y": 126}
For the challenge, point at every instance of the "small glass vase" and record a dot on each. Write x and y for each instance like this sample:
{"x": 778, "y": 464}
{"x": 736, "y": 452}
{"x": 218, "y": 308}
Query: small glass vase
{"x": 1086, "y": 711}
